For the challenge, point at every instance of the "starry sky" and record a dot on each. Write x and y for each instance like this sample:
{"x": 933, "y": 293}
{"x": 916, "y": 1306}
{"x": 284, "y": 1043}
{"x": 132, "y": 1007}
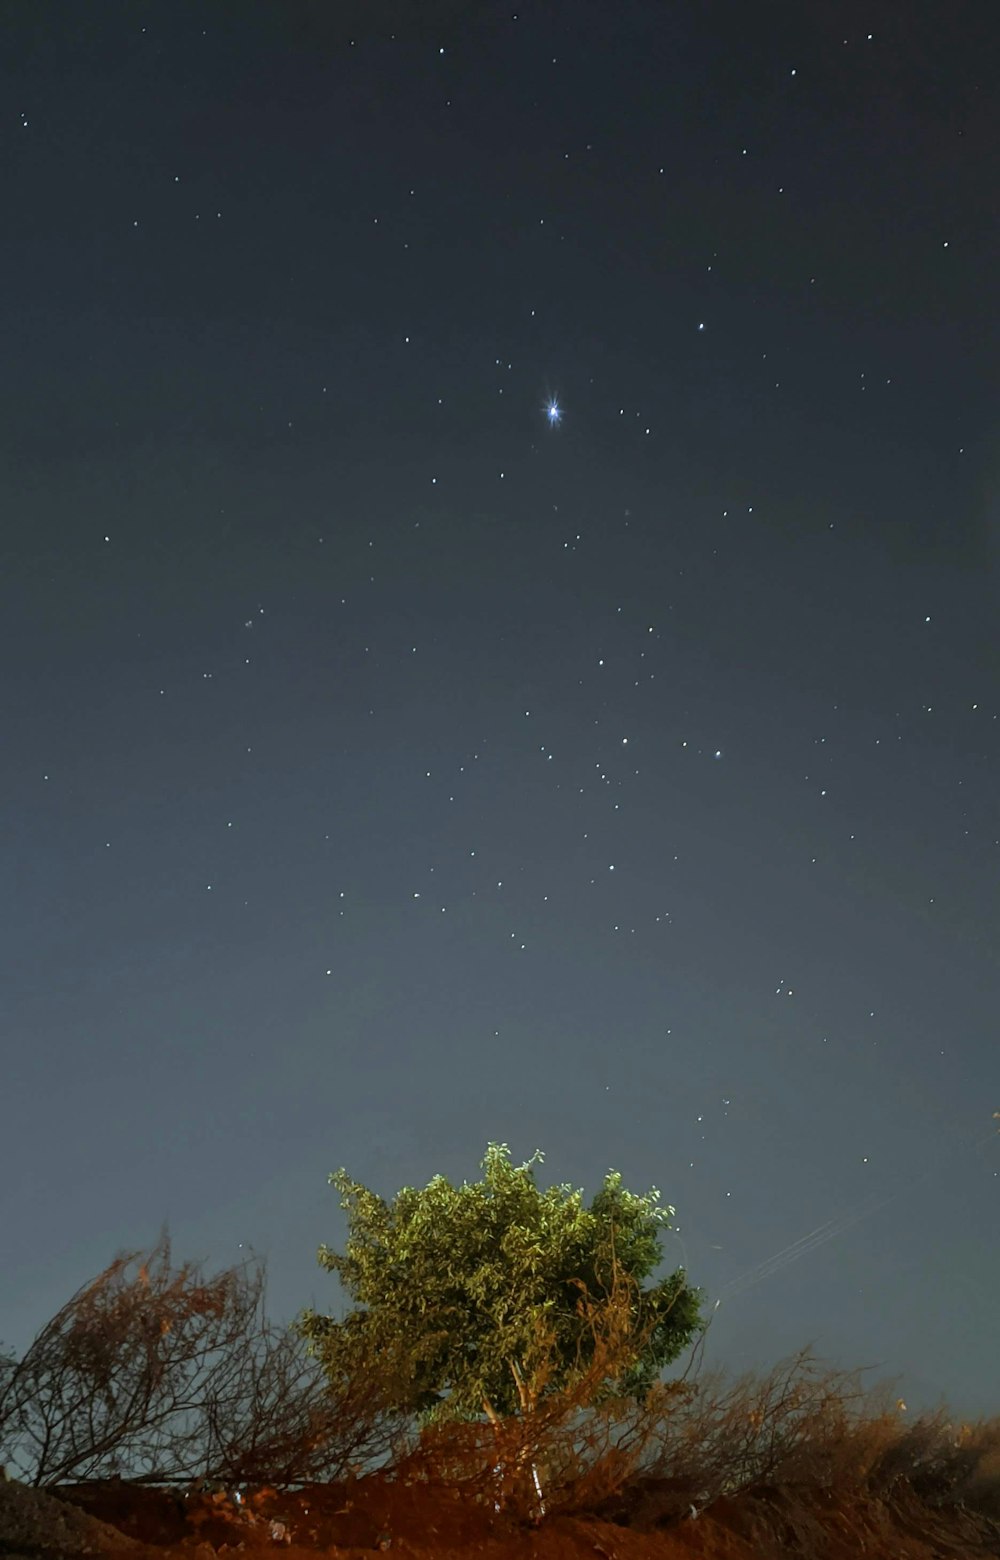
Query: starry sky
{"x": 499, "y": 585}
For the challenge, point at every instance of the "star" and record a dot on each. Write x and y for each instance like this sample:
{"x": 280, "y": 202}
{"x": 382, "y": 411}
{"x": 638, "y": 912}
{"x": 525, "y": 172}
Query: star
{"x": 553, "y": 411}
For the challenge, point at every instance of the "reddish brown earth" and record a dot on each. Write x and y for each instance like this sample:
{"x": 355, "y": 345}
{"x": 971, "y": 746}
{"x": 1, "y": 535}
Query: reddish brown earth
{"x": 375, "y": 1516}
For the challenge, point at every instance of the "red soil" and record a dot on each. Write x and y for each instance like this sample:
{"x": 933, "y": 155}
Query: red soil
{"x": 348, "y": 1522}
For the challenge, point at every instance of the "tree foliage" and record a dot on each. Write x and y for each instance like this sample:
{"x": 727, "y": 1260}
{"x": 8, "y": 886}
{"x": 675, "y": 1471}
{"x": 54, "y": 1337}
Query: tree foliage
{"x": 488, "y": 1297}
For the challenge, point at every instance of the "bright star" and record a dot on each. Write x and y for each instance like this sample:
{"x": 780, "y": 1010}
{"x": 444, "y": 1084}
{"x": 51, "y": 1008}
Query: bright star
{"x": 553, "y": 412}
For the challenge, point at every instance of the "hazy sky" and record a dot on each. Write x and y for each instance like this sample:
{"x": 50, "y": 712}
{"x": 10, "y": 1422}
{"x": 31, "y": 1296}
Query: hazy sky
{"x": 499, "y": 599}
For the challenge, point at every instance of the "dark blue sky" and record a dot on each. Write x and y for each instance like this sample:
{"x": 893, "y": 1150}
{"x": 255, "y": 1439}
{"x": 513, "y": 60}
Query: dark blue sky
{"x": 386, "y": 769}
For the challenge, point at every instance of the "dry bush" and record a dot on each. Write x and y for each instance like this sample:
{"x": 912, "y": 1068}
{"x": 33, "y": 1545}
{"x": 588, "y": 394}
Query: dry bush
{"x": 163, "y": 1375}
{"x": 592, "y": 1454}
{"x": 687, "y": 1443}
{"x": 809, "y": 1425}
{"x": 865, "y": 1444}
{"x": 978, "y": 1487}
{"x": 718, "y": 1437}
{"x": 582, "y": 1441}
{"x": 283, "y": 1423}
{"x": 857, "y": 1451}
{"x": 690, "y": 1442}
{"x": 576, "y": 1446}
{"x": 945, "y": 1464}
{"x": 452, "y": 1455}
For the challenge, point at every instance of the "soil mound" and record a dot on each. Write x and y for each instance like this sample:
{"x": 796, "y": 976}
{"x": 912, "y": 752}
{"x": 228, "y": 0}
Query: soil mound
{"x": 121, "y": 1522}
{"x": 38, "y": 1526}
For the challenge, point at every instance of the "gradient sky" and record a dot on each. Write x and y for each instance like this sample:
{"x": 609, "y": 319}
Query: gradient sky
{"x": 389, "y": 766}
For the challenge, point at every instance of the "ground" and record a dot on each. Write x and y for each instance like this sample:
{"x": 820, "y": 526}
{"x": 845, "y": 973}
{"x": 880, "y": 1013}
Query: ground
{"x": 351, "y": 1522}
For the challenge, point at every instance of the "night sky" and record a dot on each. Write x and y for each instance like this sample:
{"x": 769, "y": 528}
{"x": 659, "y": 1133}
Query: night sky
{"x": 499, "y": 587}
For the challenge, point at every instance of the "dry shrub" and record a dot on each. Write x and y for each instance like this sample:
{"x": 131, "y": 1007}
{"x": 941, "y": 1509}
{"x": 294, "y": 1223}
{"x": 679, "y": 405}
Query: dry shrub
{"x": 592, "y": 1454}
{"x": 684, "y": 1444}
{"x": 586, "y": 1441}
{"x": 575, "y": 1445}
{"x": 725, "y": 1437}
{"x": 803, "y": 1424}
{"x": 717, "y": 1436}
{"x": 946, "y": 1464}
{"x": 451, "y": 1455}
{"x": 979, "y": 1487}
{"x": 163, "y": 1375}
{"x": 869, "y": 1446}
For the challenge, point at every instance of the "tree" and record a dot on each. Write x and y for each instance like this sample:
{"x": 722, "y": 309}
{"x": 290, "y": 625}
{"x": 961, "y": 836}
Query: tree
{"x": 487, "y": 1298}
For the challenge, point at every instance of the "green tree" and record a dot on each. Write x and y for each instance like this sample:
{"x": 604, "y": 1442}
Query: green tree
{"x": 488, "y": 1297}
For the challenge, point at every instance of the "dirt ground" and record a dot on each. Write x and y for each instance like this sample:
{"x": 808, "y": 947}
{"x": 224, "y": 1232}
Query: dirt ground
{"x": 370, "y": 1517}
